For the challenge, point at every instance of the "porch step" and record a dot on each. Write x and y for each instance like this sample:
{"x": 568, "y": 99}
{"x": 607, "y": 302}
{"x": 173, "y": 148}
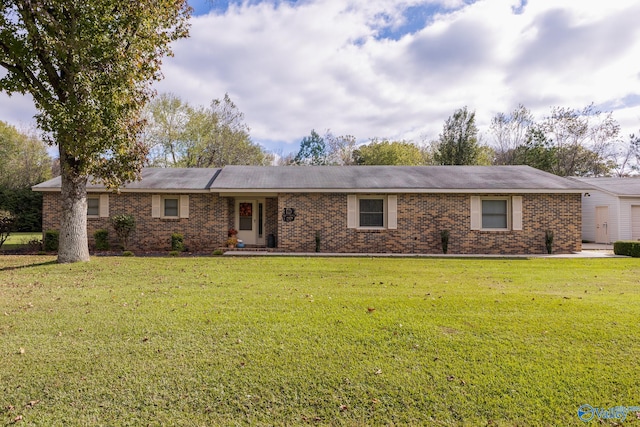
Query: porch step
{"x": 249, "y": 248}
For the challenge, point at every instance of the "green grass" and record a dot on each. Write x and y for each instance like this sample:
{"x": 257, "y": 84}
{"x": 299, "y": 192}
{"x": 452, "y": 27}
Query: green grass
{"x": 19, "y": 240}
{"x": 316, "y": 341}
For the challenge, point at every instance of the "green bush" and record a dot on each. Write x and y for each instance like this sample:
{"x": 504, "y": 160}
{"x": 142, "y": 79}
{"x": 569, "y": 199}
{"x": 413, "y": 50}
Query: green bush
{"x": 124, "y": 225}
{"x": 444, "y": 239}
{"x": 177, "y": 242}
{"x": 627, "y": 247}
{"x": 51, "y": 240}
{"x": 174, "y": 253}
{"x": 7, "y": 223}
{"x": 127, "y": 253}
{"x": 548, "y": 241}
{"x": 102, "y": 239}
{"x": 218, "y": 252}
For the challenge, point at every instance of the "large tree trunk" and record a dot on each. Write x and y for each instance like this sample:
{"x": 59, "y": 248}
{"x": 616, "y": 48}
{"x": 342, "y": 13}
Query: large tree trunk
{"x": 73, "y": 245}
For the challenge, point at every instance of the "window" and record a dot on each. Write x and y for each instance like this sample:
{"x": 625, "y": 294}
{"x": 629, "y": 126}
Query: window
{"x": 170, "y": 207}
{"x": 372, "y": 211}
{"x": 93, "y": 206}
{"x": 98, "y": 206}
{"x": 496, "y": 213}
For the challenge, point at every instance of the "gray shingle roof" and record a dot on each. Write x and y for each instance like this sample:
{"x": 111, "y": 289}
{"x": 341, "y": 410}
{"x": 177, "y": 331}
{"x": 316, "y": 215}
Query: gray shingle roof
{"x": 379, "y": 178}
{"x": 166, "y": 179}
{"x": 618, "y": 186}
{"x": 345, "y": 178}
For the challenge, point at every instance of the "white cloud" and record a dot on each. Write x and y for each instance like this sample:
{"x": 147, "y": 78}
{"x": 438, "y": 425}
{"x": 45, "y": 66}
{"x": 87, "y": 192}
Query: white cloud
{"x": 317, "y": 64}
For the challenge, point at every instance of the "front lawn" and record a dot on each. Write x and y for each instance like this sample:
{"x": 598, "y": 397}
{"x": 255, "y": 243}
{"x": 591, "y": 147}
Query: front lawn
{"x": 317, "y": 341}
{"x": 19, "y": 240}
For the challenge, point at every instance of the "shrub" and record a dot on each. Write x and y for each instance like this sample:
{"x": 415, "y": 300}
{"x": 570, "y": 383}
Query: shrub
{"x": 627, "y": 247}
{"x": 444, "y": 239}
{"x": 123, "y": 225}
{"x": 177, "y": 242}
{"x": 174, "y": 253}
{"x": 34, "y": 245}
{"x": 548, "y": 241}
{"x": 218, "y": 252}
{"x": 127, "y": 253}
{"x": 102, "y": 239}
{"x": 51, "y": 240}
{"x": 7, "y": 221}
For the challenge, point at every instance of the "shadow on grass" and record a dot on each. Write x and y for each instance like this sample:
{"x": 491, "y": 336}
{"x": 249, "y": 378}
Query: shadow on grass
{"x": 20, "y": 267}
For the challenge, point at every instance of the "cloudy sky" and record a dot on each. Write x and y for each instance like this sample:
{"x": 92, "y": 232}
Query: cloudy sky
{"x": 398, "y": 68}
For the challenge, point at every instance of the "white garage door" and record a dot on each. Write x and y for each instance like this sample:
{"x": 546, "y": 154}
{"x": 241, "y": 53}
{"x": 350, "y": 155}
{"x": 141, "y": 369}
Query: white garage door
{"x": 635, "y": 222}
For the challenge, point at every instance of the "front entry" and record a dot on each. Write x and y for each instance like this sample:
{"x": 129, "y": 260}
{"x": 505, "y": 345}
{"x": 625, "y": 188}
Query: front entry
{"x": 602, "y": 224}
{"x": 250, "y": 221}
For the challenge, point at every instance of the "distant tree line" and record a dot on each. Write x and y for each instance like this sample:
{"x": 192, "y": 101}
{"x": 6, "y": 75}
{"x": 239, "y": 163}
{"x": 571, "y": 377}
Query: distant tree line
{"x": 567, "y": 142}
{"x": 24, "y": 162}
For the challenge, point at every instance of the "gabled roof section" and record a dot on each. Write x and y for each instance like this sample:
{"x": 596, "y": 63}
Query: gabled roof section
{"x": 165, "y": 180}
{"x": 445, "y": 179}
{"x": 622, "y": 187}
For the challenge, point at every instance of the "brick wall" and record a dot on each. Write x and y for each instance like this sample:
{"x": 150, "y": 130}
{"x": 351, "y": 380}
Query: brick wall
{"x": 421, "y": 218}
{"x": 204, "y": 230}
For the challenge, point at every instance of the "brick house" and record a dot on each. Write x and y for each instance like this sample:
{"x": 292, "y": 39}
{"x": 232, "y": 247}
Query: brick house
{"x": 342, "y": 209}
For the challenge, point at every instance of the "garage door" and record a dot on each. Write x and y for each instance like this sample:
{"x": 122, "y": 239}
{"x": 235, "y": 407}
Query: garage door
{"x": 635, "y": 222}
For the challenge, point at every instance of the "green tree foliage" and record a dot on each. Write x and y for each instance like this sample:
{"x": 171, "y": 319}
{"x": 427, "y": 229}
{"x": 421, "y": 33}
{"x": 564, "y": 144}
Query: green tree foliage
{"x": 26, "y": 207}
{"x": 313, "y": 151}
{"x": 179, "y": 135}
{"x": 89, "y": 66}
{"x": 24, "y": 160}
{"x": 389, "y": 153}
{"x": 458, "y": 142}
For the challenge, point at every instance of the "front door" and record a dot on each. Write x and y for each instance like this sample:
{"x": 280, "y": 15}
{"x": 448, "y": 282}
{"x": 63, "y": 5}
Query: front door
{"x": 602, "y": 226}
{"x": 250, "y": 221}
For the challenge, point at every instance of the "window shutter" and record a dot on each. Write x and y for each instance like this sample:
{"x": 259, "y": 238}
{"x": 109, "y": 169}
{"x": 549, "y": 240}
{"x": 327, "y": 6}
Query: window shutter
{"x": 516, "y": 208}
{"x": 184, "y": 206}
{"x": 155, "y": 206}
{"x": 392, "y": 216}
{"x": 476, "y": 213}
{"x": 104, "y": 205}
{"x": 351, "y": 211}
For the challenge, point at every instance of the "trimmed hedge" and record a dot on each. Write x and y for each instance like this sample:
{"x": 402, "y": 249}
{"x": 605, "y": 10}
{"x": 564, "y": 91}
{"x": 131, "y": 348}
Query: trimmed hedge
{"x": 51, "y": 239}
{"x": 102, "y": 239}
{"x": 627, "y": 247}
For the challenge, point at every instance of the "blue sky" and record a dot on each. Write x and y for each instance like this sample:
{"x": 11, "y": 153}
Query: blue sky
{"x": 398, "y": 68}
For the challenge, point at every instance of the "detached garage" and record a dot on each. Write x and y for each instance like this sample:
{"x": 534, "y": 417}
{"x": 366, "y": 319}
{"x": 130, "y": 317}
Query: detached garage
{"x": 611, "y": 211}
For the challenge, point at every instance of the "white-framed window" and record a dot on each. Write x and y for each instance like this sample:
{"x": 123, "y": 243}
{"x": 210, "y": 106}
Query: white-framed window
{"x": 170, "y": 206}
{"x": 496, "y": 213}
{"x": 372, "y": 211}
{"x": 98, "y": 206}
